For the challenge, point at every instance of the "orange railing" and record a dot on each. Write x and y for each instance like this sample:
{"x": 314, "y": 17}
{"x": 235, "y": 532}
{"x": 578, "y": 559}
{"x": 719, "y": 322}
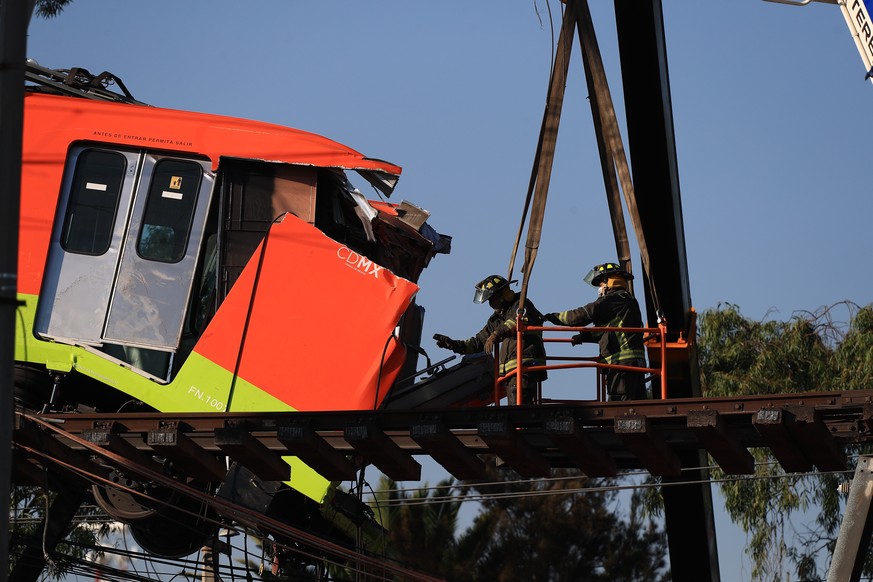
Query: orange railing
{"x": 658, "y": 333}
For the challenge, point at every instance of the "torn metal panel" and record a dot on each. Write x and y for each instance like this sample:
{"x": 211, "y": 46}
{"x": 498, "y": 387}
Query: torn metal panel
{"x": 384, "y": 182}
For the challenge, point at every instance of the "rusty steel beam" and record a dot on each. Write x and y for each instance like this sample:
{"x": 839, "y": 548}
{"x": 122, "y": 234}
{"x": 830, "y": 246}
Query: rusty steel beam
{"x": 772, "y": 424}
{"x": 591, "y": 413}
{"x": 300, "y": 440}
{"x": 373, "y": 444}
{"x": 814, "y": 439}
{"x": 569, "y": 436}
{"x": 73, "y": 463}
{"x": 239, "y": 444}
{"x": 170, "y": 441}
{"x": 437, "y": 441}
{"x": 108, "y": 436}
{"x": 508, "y": 443}
{"x": 711, "y": 429}
{"x": 650, "y": 448}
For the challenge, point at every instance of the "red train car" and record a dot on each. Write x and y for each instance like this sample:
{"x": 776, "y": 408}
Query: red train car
{"x": 179, "y": 261}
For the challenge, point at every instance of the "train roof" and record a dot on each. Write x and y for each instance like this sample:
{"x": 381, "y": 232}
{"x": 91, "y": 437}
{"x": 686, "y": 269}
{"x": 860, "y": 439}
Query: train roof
{"x": 53, "y": 121}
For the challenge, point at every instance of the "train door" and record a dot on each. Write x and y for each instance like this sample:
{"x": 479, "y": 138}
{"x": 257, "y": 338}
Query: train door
{"x": 124, "y": 248}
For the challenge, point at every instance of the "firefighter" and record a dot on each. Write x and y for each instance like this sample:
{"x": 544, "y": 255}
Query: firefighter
{"x": 501, "y": 328}
{"x": 615, "y": 306}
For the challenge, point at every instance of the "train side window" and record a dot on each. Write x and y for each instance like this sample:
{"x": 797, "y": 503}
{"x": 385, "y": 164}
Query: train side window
{"x": 93, "y": 202}
{"x": 169, "y": 211}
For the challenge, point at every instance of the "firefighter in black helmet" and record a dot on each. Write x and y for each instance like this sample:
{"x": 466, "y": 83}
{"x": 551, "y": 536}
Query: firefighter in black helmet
{"x": 501, "y": 328}
{"x": 615, "y": 306}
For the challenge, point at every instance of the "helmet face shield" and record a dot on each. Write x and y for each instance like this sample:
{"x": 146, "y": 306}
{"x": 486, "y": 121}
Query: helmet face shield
{"x": 600, "y": 273}
{"x": 486, "y": 288}
{"x": 589, "y": 278}
{"x": 482, "y": 295}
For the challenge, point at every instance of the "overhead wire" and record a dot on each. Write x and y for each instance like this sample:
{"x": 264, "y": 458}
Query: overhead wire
{"x": 225, "y": 570}
{"x": 326, "y": 548}
{"x": 131, "y": 556}
{"x": 591, "y": 489}
{"x": 151, "y": 560}
{"x": 231, "y": 570}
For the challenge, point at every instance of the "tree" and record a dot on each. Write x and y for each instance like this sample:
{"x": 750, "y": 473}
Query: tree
{"x": 560, "y": 528}
{"x": 421, "y": 525}
{"x": 810, "y": 352}
{"x": 51, "y": 8}
{"x": 28, "y": 509}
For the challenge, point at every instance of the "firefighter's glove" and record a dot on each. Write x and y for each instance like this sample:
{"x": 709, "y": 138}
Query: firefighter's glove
{"x": 445, "y": 342}
{"x": 552, "y": 318}
{"x": 583, "y": 338}
{"x": 489, "y": 343}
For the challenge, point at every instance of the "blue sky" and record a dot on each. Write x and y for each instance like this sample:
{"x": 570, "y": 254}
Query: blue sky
{"x": 770, "y": 110}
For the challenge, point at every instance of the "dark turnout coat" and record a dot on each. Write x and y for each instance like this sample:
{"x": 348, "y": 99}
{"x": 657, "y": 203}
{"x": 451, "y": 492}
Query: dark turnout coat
{"x": 503, "y": 323}
{"x": 616, "y": 308}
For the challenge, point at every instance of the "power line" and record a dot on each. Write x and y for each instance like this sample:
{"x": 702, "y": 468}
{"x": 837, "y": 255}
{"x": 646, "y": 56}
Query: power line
{"x": 413, "y": 501}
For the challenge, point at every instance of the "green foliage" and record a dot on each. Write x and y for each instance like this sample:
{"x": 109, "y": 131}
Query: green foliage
{"x": 421, "y": 525}
{"x": 27, "y": 511}
{"x": 50, "y": 8}
{"x": 550, "y": 529}
{"x": 559, "y": 529}
{"x": 853, "y": 359}
{"x": 739, "y": 356}
{"x": 810, "y": 352}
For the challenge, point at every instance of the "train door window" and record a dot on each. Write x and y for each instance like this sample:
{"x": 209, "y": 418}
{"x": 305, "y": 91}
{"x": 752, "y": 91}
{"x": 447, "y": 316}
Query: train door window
{"x": 169, "y": 210}
{"x": 91, "y": 221}
{"x": 124, "y": 249}
{"x": 93, "y": 202}
{"x": 156, "y": 267}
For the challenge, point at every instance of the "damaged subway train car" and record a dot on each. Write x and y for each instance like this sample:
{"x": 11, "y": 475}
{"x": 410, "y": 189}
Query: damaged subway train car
{"x": 174, "y": 261}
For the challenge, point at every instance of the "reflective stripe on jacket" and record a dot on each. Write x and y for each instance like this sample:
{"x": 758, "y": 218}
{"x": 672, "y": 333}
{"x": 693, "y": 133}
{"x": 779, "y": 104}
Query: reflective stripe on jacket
{"x": 503, "y": 323}
{"x": 616, "y": 308}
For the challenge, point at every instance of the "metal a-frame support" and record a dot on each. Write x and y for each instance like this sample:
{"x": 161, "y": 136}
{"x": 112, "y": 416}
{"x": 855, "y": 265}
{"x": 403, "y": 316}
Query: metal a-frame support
{"x": 651, "y": 195}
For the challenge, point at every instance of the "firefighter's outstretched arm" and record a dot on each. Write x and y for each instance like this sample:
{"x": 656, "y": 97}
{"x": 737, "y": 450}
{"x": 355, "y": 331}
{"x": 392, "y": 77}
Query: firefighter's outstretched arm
{"x": 445, "y": 342}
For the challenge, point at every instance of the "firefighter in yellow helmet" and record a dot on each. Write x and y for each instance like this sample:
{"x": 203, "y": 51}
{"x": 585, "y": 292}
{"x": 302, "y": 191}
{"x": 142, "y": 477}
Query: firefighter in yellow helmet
{"x": 501, "y": 327}
{"x": 615, "y": 306}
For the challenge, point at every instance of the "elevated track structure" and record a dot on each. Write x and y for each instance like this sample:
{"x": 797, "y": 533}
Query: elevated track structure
{"x": 72, "y": 452}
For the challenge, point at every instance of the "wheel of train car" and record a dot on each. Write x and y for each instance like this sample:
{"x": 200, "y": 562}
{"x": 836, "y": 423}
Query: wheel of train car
{"x": 176, "y": 531}
{"x": 162, "y": 520}
{"x": 132, "y": 500}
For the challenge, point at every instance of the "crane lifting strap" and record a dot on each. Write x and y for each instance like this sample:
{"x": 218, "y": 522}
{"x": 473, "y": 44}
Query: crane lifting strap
{"x": 613, "y": 156}
{"x": 601, "y": 99}
{"x": 539, "y": 181}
